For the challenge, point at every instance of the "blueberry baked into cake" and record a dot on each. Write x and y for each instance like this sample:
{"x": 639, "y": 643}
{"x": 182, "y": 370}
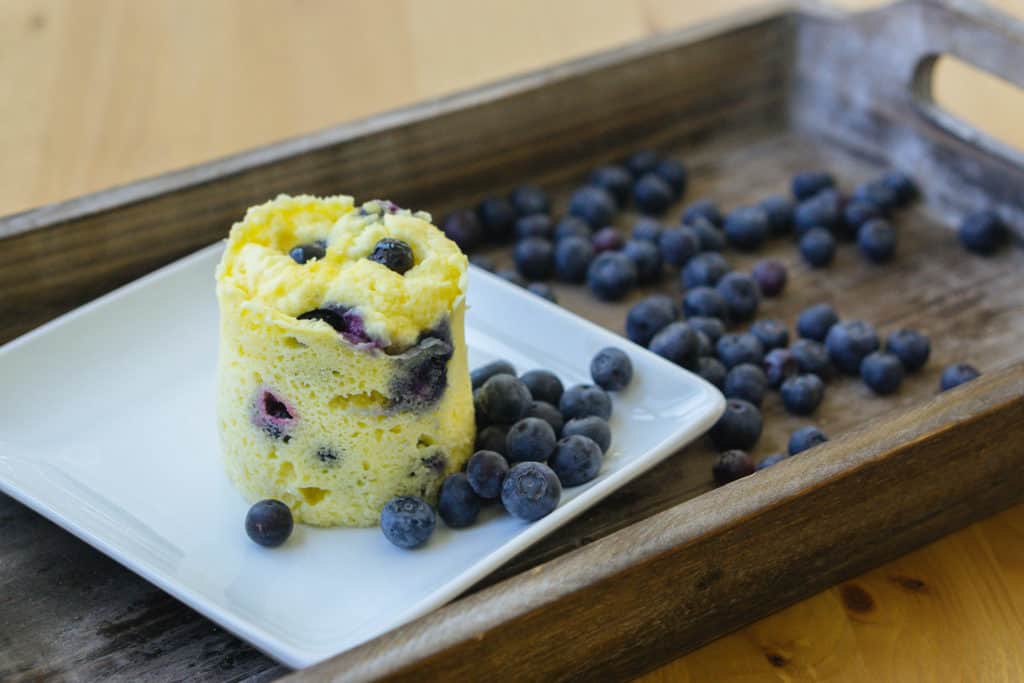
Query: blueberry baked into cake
{"x": 342, "y": 374}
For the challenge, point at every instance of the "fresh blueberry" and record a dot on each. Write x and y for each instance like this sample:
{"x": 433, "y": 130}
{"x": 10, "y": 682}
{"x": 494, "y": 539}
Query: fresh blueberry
{"x": 512, "y": 276}
{"x": 570, "y": 226}
{"x": 746, "y": 227}
{"x": 649, "y": 316}
{"x": 615, "y": 180}
{"x": 741, "y": 295}
{"x": 746, "y": 381}
{"x": 769, "y": 460}
{"x": 592, "y": 427}
{"x": 772, "y": 333}
{"x": 534, "y": 258}
{"x": 611, "y": 275}
{"x": 712, "y": 370}
{"x": 485, "y": 472}
{"x": 407, "y": 521}
{"x": 705, "y": 270}
{"x": 576, "y": 460}
{"x": 812, "y": 358}
{"x": 535, "y": 225}
{"x": 504, "y": 399}
{"x": 485, "y": 372}
{"x": 739, "y": 427}
{"x": 704, "y": 346}
{"x": 709, "y": 238}
{"x": 770, "y": 275}
{"x": 805, "y": 438}
{"x": 584, "y": 400}
{"x": 647, "y": 229}
{"x": 593, "y": 205}
{"x": 802, "y": 394}
{"x": 712, "y": 328}
{"x": 983, "y": 232}
{"x": 809, "y": 183}
{"x": 902, "y": 185}
{"x": 678, "y": 245}
{"x": 823, "y": 210}
{"x": 531, "y": 490}
{"x": 736, "y": 348}
{"x": 955, "y": 375}
{"x": 393, "y": 254}
{"x": 457, "y": 503}
{"x": 877, "y": 193}
{"x": 779, "y": 365}
{"x": 730, "y": 466}
{"x": 478, "y": 412}
{"x": 269, "y": 523}
{"x": 646, "y": 258}
{"x": 543, "y": 290}
{"x": 678, "y": 343}
{"x": 611, "y": 369}
{"x": 674, "y": 173}
{"x": 549, "y": 413}
{"x": 572, "y": 258}
{"x": 642, "y": 161}
{"x": 463, "y": 228}
{"x": 704, "y": 302}
{"x": 608, "y": 239}
{"x": 498, "y": 217}
{"x": 876, "y": 239}
{"x": 530, "y": 439}
{"x": 911, "y": 347}
{"x": 492, "y": 438}
{"x": 529, "y": 199}
{"x": 703, "y": 208}
{"x": 848, "y": 342}
{"x": 484, "y": 262}
{"x": 306, "y": 252}
{"x": 882, "y": 372}
{"x": 779, "y": 211}
{"x": 543, "y": 385}
{"x": 858, "y": 212}
{"x": 818, "y": 247}
{"x": 815, "y": 321}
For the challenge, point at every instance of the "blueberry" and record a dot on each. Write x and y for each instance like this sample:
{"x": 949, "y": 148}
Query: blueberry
{"x": 407, "y": 521}
{"x": 543, "y": 385}
{"x": 802, "y": 394}
{"x": 592, "y": 427}
{"x": 424, "y": 376}
{"x": 818, "y": 247}
{"x": 858, "y": 212}
{"x": 457, "y": 503}
{"x": 779, "y": 211}
{"x": 770, "y": 276}
{"x": 504, "y": 399}
{"x": 703, "y": 208}
{"x": 497, "y": 217}
{"x": 531, "y": 490}
{"x": 705, "y": 270}
{"x": 882, "y": 372}
{"x": 709, "y": 238}
{"x": 572, "y": 258}
{"x": 772, "y": 333}
{"x": 849, "y": 342}
{"x": 611, "y": 369}
{"x": 815, "y": 321}
{"x": 746, "y": 227}
{"x": 647, "y": 229}
{"x": 730, "y": 466}
{"x": 273, "y": 414}
{"x": 677, "y": 343}
{"x": 955, "y": 375}
{"x": 712, "y": 370}
{"x": 512, "y": 277}
{"x": 483, "y": 373}
{"x": 768, "y": 461}
{"x": 393, "y": 254}
{"x": 484, "y": 262}
{"x": 642, "y": 161}
{"x": 305, "y": 252}
{"x": 824, "y": 210}
{"x": 463, "y": 228}
{"x": 534, "y": 258}
{"x": 705, "y": 348}
{"x": 547, "y": 412}
{"x": 485, "y": 472}
{"x": 902, "y": 186}
{"x": 805, "y": 438}
{"x": 611, "y": 275}
{"x": 812, "y": 358}
{"x": 608, "y": 239}
{"x": 345, "y": 322}
{"x": 570, "y": 226}
{"x": 593, "y": 205}
{"x": 535, "y": 225}
{"x": 741, "y": 295}
{"x": 584, "y": 400}
{"x": 809, "y": 183}
{"x": 269, "y": 523}
{"x": 983, "y": 232}
{"x": 746, "y": 381}
{"x": 712, "y": 328}
{"x": 529, "y": 199}
{"x": 739, "y": 427}
{"x": 478, "y": 412}
{"x": 734, "y": 349}
{"x": 876, "y": 240}
{"x": 779, "y": 365}
{"x": 646, "y": 258}
{"x": 649, "y": 316}
{"x": 543, "y": 290}
{"x": 704, "y": 302}
{"x": 529, "y": 439}
{"x": 492, "y": 438}
{"x": 678, "y": 245}
{"x": 674, "y": 173}
{"x": 877, "y": 193}
{"x": 911, "y": 347}
{"x": 576, "y": 460}
{"x": 615, "y": 180}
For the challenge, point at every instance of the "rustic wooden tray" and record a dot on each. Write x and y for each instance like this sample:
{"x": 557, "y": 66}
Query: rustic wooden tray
{"x": 668, "y": 562}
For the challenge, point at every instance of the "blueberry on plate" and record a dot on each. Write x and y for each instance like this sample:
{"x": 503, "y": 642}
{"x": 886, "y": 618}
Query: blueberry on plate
{"x": 712, "y": 328}
{"x": 770, "y": 276}
{"x": 805, "y": 438}
{"x": 592, "y": 427}
{"x": 741, "y": 295}
{"x": 512, "y": 276}
{"x": 491, "y": 438}
{"x": 592, "y": 204}
{"x": 504, "y": 399}
{"x": 647, "y": 229}
{"x": 649, "y": 316}
{"x": 815, "y": 321}
{"x": 809, "y": 183}
{"x": 673, "y": 172}
{"x": 882, "y": 372}
{"x": 611, "y": 275}
{"x": 485, "y": 472}
{"x": 876, "y": 240}
{"x": 457, "y": 503}
{"x": 858, "y": 212}
{"x": 703, "y": 208}
{"x": 709, "y": 238}
{"x": 646, "y": 258}
{"x": 772, "y": 333}
{"x": 535, "y": 225}
{"x": 818, "y": 247}
{"x": 269, "y": 523}
{"x": 712, "y": 370}
{"x": 848, "y": 342}
{"x": 534, "y": 258}
{"x": 616, "y": 180}
{"x": 530, "y": 199}
{"x": 608, "y": 239}
{"x": 547, "y": 412}
{"x": 769, "y": 460}
{"x": 746, "y": 227}
{"x": 739, "y": 427}
{"x": 812, "y": 358}
{"x": 484, "y": 262}
{"x": 529, "y": 439}
{"x": 802, "y": 394}
{"x": 678, "y": 343}
{"x": 736, "y": 348}
{"x": 746, "y": 381}
{"x": 573, "y": 256}
{"x": 705, "y": 349}
{"x": 543, "y": 385}
{"x": 407, "y": 521}
{"x": 779, "y": 211}
{"x": 983, "y": 232}
{"x": 957, "y": 374}
{"x": 823, "y": 210}
{"x": 911, "y": 347}
{"x": 483, "y": 373}
{"x": 576, "y": 460}
{"x": 543, "y": 290}
{"x": 878, "y": 193}
{"x": 652, "y": 195}
{"x": 307, "y": 252}
{"x": 570, "y": 226}
{"x": 584, "y": 400}
{"x": 642, "y": 161}
{"x": 704, "y": 270}
{"x": 531, "y": 490}
{"x": 463, "y": 228}
{"x": 730, "y": 466}
{"x": 611, "y": 369}
{"x": 704, "y": 302}
{"x": 902, "y": 185}
{"x": 497, "y": 217}
{"x": 678, "y": 245}
{"x": 779, "y": 365}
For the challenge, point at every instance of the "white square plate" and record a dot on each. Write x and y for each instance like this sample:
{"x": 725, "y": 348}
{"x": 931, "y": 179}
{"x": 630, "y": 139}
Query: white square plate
{"x": 107, "y": 428}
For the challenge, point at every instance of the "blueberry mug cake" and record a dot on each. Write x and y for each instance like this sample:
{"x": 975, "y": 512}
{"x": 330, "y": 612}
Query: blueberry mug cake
{"x": 342, "y": 374}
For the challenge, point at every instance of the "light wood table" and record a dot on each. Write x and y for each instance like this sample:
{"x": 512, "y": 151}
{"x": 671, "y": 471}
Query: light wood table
{"x": 99, "y": 92}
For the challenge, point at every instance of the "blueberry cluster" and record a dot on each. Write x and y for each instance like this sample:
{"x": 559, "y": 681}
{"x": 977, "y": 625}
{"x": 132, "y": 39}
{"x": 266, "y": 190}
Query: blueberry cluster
{"x": 534, "y": 438}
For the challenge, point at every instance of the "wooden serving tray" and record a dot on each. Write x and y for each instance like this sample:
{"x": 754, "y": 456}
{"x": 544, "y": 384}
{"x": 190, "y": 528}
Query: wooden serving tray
{"x": 668, "y": 562}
